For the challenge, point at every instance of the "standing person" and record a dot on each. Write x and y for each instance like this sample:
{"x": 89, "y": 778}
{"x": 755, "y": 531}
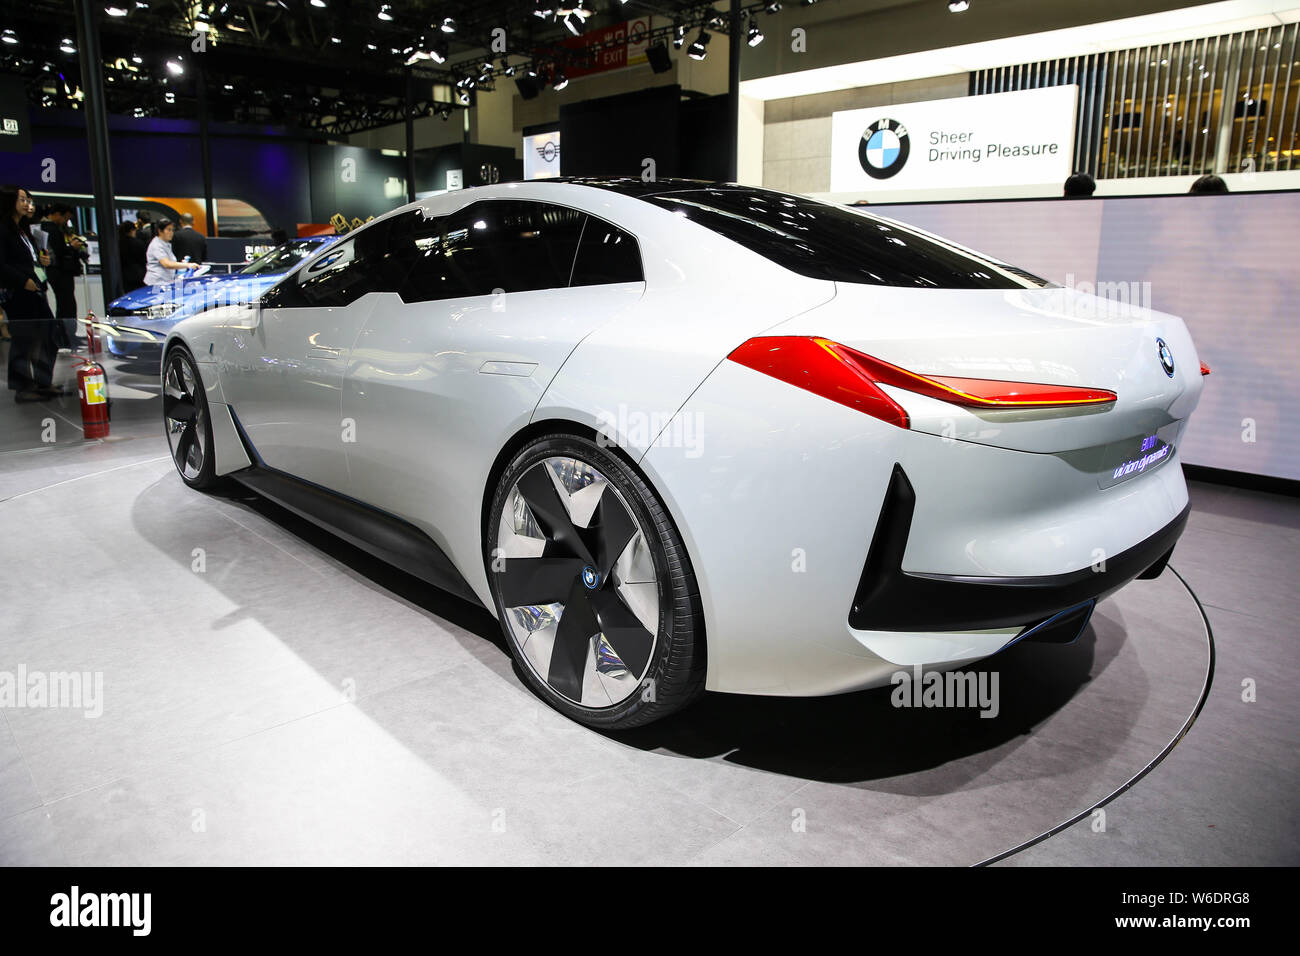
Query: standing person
{"x": 130, "y": 249}
{"x": 161, "y": 264}
{"x": 67, "y": 253}
{"x": 144, "y": 224}
{"x": 188, "y": 241}
{"x": 31, "y": 323}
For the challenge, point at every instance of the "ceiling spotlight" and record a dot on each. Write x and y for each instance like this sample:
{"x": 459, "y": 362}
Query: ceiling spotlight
{"x": 542, "y": 11}
{"x": 9, "y": 36}
{"x": 506, "y": 68}
{"x": 385, "y": 12}
{"x": 679, "y": 37}
{"x": 137, "y": 58}
{"x": 958, "y": 6}
{"x": 169, "y": 97}
{"x": 573, "y": 22}
{"x": 371, "y": 46}
{"x": 755, "y": 35}
{"x": 561, "y": 81}
{"x": 773, "y": 7}
{"x": 174, "y": 68}
{"x": 318, "y": 3}
{"x": 699, "y": 49}
{"x": 448, "y": 25}
{"x": 438, "y": 50}
{"x": 463, "y": 97}
{"x": 67, "y": 47}
{"x": 113, "y": 11}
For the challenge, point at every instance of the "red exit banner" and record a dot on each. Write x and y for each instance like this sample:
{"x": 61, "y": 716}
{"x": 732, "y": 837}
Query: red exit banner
{"x": 611, "y": 48}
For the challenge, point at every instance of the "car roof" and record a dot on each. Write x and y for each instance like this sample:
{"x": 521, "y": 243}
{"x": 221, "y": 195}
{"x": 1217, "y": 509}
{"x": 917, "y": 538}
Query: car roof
{"x": 636, "y": 187}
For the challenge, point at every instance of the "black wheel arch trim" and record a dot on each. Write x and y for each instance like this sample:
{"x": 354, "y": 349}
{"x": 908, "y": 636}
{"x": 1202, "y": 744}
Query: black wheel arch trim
{"x": 891, "y": 599}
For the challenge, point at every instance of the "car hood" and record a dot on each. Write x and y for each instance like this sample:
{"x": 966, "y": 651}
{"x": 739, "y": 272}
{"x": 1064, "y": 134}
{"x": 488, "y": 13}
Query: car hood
{"x": 169, "y": 291}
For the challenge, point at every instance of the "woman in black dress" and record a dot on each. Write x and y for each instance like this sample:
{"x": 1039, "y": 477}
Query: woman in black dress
{"x": 31, "y": 323}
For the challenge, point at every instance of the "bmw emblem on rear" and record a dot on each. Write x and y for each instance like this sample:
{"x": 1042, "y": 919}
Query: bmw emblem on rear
{"x": 590, "y": 577}
{"x": 1166, "y": 357}
{"x": 884, "y": 148}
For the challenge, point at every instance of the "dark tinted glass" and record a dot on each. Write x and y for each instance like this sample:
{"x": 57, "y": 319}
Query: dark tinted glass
{"x": 512, "y": 245}
{"x": 831, "y": 242}
{"x": 606, "y": 254}
{"x": 348, "y": 270}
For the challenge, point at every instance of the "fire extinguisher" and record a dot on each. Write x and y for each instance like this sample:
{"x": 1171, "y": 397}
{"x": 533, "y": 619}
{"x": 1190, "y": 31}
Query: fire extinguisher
{"x": 92, "y": 389}
{"x": 93, "y": 345}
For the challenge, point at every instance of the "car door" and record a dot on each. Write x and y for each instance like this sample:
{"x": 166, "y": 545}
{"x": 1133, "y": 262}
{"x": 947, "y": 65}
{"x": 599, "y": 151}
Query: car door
{"x": 287, "y": 378}
{"x": 440, "y": 378}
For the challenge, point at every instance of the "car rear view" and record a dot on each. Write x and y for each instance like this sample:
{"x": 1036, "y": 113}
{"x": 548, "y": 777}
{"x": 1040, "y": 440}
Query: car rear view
{"x": 974, "y": 456}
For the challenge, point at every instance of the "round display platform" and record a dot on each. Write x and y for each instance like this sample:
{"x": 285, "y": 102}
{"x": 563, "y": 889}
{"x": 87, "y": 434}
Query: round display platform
{"x": 315, "y": 706}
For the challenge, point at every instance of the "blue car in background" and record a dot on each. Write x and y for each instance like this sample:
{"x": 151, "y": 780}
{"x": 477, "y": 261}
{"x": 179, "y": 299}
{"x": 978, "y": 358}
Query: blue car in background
{"x": 139, "y": 321}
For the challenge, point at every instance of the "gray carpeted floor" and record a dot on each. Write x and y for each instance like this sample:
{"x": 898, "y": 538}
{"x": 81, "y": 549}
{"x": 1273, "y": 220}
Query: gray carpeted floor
{"x": 295, "y": 701}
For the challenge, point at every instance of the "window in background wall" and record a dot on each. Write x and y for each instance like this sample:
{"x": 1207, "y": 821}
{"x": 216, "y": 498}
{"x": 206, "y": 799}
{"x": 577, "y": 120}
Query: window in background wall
{"x": 1211, "y": 105}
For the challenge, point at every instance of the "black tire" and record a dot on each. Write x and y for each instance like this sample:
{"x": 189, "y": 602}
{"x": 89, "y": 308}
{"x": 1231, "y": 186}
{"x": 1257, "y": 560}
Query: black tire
{"x": 674, "y": 667}
{"x": 186, "y": 420}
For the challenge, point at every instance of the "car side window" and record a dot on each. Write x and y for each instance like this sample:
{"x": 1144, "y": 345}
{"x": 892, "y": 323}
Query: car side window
{"x": 512, "y": 245}
{"x": 351, "y": 268}
{"x": 606, "y": 255}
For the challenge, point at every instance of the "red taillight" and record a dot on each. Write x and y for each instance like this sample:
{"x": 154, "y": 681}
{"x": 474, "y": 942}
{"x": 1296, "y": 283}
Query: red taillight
{"x": 852, "y": 378}
{"x": 1205, "y": 369}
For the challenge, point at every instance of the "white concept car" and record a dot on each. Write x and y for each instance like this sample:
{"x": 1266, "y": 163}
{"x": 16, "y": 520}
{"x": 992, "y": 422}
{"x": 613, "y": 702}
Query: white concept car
{"x": 682, "y": 435}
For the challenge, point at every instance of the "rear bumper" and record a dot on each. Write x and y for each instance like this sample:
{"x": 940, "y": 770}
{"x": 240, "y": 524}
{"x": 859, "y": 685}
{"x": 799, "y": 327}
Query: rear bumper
{"x": 891, "y": 599}
{"x": 782, "y": 512}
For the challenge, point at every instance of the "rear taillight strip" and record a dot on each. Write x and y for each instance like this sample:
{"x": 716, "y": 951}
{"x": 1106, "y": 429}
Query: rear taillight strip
{"x": 853, "y": 378}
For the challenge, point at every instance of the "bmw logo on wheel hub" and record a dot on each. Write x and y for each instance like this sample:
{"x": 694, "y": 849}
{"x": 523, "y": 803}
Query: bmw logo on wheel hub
{"x": 590, "y": 577}
{"x": 1166, "y": 357}
{"x": 884, "y": 148}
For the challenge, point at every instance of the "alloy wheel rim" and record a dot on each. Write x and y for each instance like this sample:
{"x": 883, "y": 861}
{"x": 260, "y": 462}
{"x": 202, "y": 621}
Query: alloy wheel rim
{"x": 184, "y": 415}
{"x": 577, "y": 582}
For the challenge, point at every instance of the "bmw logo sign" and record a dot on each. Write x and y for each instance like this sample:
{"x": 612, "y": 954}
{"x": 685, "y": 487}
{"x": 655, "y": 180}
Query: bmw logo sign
{"x": 1166, "y": 357}
{"x": 590, "y": 577}
{"x": 884, "y": 148}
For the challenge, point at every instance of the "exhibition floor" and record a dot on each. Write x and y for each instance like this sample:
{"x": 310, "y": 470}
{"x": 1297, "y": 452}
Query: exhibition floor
{"x": 271, "y": 695}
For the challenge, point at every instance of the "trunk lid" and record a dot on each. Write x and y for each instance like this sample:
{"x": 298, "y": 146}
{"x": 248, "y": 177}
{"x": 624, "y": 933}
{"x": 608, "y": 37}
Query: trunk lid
{"x": 1053, "y": 336}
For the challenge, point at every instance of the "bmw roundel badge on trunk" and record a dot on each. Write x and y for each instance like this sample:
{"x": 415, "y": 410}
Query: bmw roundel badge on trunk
{"x": 884, "y": 148}
{"x": 1166, "y": 357}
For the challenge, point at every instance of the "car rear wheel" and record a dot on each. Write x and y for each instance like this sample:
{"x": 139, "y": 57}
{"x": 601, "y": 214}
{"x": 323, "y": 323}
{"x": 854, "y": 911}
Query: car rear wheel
{"x": 592, "y": 585}
{"x": 185, "y": 416}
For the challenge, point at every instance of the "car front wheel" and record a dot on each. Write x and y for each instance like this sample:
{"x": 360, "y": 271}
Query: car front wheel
{"x": 185, "y": 416}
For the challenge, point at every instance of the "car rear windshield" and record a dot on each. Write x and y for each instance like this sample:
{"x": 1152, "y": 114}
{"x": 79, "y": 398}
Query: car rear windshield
{"x": 825, "y": 241}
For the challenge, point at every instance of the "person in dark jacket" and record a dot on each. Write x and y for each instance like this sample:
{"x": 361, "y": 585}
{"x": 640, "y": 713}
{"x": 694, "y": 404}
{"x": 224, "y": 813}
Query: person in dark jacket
{"x": 31, "y": 323}
{"x": 131, "y": 251}
{"x": 188, "y": 241}
{"x": 67, "y": 253}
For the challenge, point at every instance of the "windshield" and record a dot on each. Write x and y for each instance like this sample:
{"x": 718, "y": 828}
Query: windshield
{"x": 823, "y": 241}
{"x": 281, "y": 258}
